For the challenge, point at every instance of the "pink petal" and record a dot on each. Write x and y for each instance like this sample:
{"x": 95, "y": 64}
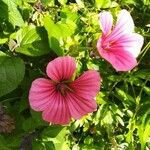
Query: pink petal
{"x": 57, "y": 112}
{"x": 85, "y": 89}
{"x": 124, "y": 25}
{"x": 41, "y": 93}
{"x": 79, "y": 106}
{"x": 131, "y": 43}
{"x": 87, "y": 85}
{"x": 61, "y": 68}
{"x": 106, "y": 22}
{"x": 119, "y": 58}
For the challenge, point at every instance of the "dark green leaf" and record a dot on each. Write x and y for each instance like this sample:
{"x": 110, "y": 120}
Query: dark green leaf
{"x": 9, "y": 11}
{"x": 11, "y": 73}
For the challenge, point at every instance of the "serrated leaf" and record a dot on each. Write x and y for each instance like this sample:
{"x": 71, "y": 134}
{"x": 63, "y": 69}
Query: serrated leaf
{"x": 32, "y": 41}
{"x": 12, "y": 71}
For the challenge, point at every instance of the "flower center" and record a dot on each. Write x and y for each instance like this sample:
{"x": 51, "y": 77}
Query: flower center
{"x": 63, "y": 88}
{"x": 106, "y": 46}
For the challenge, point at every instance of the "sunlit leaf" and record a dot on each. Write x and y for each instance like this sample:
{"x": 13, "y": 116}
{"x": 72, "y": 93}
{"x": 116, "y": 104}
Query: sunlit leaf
{"x": 32, "y": 41}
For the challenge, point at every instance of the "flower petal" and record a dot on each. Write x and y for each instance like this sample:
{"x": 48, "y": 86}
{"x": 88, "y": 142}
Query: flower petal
{"x": 57, "y": 112}
{"x": 61, "y": 68}
{"x": 124, "y": 25}
{"x": 41, "y": 93}
{"x": 87, "y": 85}
{"x": 79, "y": 106}
{"x": 81, "y": 101}
{"x": 119, "y": 58}
{"x": 106, "y": 22}
{"x": 131, "y": 43}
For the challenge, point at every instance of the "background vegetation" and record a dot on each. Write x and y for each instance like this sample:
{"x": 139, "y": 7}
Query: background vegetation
{"x": 34, "y": 32}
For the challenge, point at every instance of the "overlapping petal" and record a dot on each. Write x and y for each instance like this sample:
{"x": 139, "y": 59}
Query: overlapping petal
{"x": 87, "y": 85}
{"x": 61, "y": 68}
{"x": 124, "y": 25}
{"x": 121, "y": 46}
{"x": 58, "y": 112}
{"x": 77, "y": 98}
{"x": 119, "y": 58}
{"x": 131, "y": 43}
{"x": 106, "y": 22}
{"x": 41, "y": 93}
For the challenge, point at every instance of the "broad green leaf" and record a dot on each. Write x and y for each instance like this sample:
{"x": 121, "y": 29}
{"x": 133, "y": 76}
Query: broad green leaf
{"x": 9, "y": 11}
{"x": 61, "y": 145}
{"x": 57, "y": 32}
{"x": 49, "y": 145}
{"x": 52, "y": 131}
{"x": 37, "y": 117}
{"x": 12, "y": 71}
{"x": 3, "y": 144}
{"x": 29, "y": 124}
{"x": 53, "y": 35}
{"x": 3, "y": 10}
{"x": 32, "y": 41}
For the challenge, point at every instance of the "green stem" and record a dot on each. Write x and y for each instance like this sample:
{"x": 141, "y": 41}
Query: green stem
{"x": 144, "y": 51}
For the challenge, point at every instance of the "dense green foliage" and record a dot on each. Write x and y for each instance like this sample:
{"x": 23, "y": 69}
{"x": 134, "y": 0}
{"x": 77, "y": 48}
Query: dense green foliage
{"x": 34, "y": 32}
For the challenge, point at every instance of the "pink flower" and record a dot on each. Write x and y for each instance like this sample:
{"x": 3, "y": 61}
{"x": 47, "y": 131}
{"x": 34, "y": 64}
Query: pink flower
{"x": 60, "y": 98}
{"x": 118, "y": 44}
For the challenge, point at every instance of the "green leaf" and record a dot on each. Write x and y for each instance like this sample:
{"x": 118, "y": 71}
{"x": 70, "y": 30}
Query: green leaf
{"x": 80, "y": 3}
{"x": 103, "y": 3}
{"x": 63, "y": 2}
{"x": 52, "y": 131}
{"x": 122, "y": 95}
{"x": 12, "y": 71}
{"x": 146, "y": 2}
{"x": 61, "y": 145}
{"x": 3, "y": 40}
{"x": 9, "y": 11}
{"x": 53, "y": 35}
{"x": 58, "y": 32}
{"x": 32, "y": 41}
{"x": 143, "y": 74}
{"x": 38, "y": 118}
{"x": 29, "y": 124}
{"x": 3, "y": 144}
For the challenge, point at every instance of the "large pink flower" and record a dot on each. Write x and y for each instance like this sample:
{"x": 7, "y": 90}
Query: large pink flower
{"x": 119, "y": 45}
{"x": 59, "y": 97}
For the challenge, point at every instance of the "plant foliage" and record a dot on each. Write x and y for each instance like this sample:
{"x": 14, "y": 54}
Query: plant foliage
{"x": 33, "y": 32}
